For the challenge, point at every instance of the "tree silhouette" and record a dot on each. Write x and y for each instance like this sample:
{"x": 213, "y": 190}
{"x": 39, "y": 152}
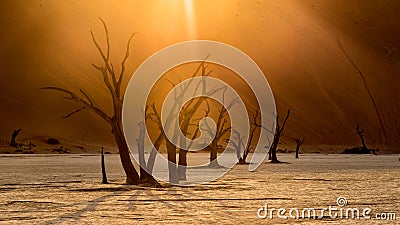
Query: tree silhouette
{"x": 222, "y": 129}
{"x": 177, "y": 171}
{"x": 238, "y": 144}
{"x": 14, "y": 135}
{"x": 112, "y": 80}
{"x": 278, "y": 134}
{"x": 249, "y": 147}
{"x": 103, "y": 168}
{"x": 360, "y": 134}
{"x": 299, "y": 143}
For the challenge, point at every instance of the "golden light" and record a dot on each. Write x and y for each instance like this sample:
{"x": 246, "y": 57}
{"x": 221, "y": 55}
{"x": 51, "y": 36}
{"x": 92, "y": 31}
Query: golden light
{"x": 190, "y": 17}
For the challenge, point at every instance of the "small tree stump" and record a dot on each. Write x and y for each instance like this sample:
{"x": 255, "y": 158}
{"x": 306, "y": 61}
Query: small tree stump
{"x": 103, "y": 168}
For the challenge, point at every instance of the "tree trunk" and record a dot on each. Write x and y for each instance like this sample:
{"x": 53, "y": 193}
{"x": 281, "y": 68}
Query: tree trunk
{"x": 14, "y": 135}
{"x": 274, "y": 158}
{"x": 299, "y": 143}
{"x": 238, "y": 155}
{"x": 274, "y": 146}
{"x": 182, "y": 164}
{"x": 214, "y": 154}
{"x": 153, "y": 153}
{"x": 132, "y": 177}
{"x": 245, "y": 154}
{"x": 103, "y": 168}
{"x": 144, "y": 176}
{"x": 172, "y": 169}
{"x": 360, "y": 134}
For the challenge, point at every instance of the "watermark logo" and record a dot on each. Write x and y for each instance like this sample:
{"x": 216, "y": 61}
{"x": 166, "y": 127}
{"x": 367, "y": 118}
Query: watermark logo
{"x": 339, "y": 212}
{"x": 152, "y": 69}
{"x": 341, "y": 201}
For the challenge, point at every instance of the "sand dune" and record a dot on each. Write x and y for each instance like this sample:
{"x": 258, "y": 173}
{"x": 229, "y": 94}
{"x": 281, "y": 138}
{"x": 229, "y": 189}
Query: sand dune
{"x": 294, "y": 42}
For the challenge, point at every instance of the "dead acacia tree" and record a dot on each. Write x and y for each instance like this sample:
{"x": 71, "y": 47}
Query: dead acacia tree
{"x": 220, "y": 131}
{"x": 278, "y": 134}
{"x": 145, "y": 173}
{"x": 255, "y": 125}
{"x": 155, "y": 116}
{"x": 299, "y": 143}
{"x": 238, "y": 145}
{"x": 152, "y": 113}
{"x": 13, "y": 142}
{"x": 177, "y": 171}
{"x": 360, "y": 134}
{"x": 186, "y": 116}
{"x": 367, "y": 88}
{"x": 112, "y": 80}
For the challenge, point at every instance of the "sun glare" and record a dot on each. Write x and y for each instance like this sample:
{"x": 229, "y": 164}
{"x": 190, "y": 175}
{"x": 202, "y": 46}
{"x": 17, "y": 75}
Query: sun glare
{"x": 190, "y": 17}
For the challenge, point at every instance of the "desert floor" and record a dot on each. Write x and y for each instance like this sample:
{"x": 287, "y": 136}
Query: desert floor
{"x": 66, "y": 189}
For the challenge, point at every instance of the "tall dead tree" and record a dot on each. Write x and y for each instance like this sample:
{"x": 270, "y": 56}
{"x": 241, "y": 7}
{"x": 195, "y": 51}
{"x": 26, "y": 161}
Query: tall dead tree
{"x": 145, "y": 173}
{"x": 299, "y": 143}
{"x": 112, "y": 80}
{"x": 177, "y": 171}
{"x": 171, "y": 148}
{"x": 360, "y": 134}
{"x": 220, "y": 131}
{"x": 13, "y": 142}
{"x": 185, "y": 117}
{"x": 278, "y": 134}
{"x": 249, "y": 147}
{"x": 187, "y": 114}
{"x": 152, "y": 113}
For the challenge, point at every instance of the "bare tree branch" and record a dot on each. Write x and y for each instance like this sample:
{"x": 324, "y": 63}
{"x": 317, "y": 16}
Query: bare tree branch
{"x": 74, "y": 112}
{"x": 87, "y": 96}
{"x": 74, "y": 97}
{"x": 123, "y": 63}
{"x": 364, "y": 80}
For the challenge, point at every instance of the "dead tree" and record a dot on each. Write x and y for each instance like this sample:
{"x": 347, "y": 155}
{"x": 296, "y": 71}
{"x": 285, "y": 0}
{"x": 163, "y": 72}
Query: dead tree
{"x": 178, "y": 171}
{"x": 360, "y": 134}
{"x": 367, "y": 88}
{"x": 186, "y": 116}
{"x": 103, "y": 168}
{"x": 171, "y": 148}
{"x": 299, "y": 143}
{"x": 221, "y": 130}
{"x": 13, "y": 142}
{"x": 238, "y": 145}
{"x": 249, "y": 147}
{"x": 112, "y": 80}
{"x": 278, "y": 134}
{"x": 145, "y": 173}
{"x": 256, "y": 125}
{"x": 152, "y": 113}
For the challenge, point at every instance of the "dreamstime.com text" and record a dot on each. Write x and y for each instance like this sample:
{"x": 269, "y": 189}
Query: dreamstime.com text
{"x": 339, "y": 212}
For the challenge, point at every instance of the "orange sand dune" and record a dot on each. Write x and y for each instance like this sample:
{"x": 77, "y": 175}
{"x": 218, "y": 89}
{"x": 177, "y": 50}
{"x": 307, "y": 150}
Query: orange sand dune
{"x": 295, "y": 43}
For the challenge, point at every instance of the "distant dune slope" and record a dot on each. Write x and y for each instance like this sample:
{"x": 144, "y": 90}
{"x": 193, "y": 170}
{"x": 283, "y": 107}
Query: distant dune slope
{"x": 294, "y": 42}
